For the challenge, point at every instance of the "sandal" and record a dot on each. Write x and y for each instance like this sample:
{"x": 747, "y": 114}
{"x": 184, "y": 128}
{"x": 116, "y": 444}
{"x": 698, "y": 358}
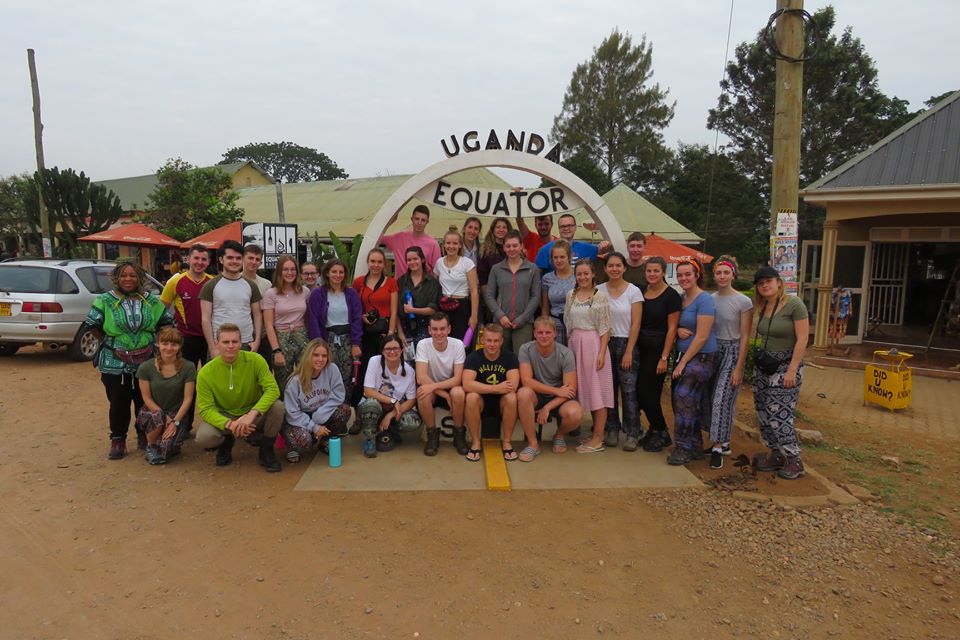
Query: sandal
{"x": 559, "y": 445}
{"x": 509, "y": 454}
{"x": 586, "y": 448}
{"x": 473, "y": 455}
{"x": 529, "y": 454}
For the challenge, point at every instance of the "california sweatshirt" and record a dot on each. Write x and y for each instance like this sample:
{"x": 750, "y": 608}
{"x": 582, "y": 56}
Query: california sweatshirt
{"x": 313, "y": 409}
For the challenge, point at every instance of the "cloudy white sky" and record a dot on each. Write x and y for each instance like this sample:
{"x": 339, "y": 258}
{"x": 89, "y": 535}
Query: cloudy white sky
{"x": 376, "y": 85}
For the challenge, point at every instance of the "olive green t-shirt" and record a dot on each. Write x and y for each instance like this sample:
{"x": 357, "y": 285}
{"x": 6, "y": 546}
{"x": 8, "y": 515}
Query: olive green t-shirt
{"x": 167, "y": 392}
{"x": 780, "y": 327}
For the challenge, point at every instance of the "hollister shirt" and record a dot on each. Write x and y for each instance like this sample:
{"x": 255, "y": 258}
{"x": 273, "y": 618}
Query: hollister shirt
{"x": 491, "y": 372}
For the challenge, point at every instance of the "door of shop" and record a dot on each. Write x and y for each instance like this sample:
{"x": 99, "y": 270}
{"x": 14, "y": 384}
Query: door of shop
{"x": 850, "y": 271}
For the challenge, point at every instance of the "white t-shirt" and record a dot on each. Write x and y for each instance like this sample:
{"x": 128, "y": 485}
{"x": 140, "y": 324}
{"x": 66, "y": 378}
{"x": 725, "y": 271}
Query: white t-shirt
{"x": 453, "y": 281}
{"x": 395, "y": 385}
{"x": 440, "y": 363}
{"x": 620, "y": 309}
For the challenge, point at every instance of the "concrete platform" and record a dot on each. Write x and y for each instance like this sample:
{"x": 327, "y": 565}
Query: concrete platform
{"x": 407, "y": 469}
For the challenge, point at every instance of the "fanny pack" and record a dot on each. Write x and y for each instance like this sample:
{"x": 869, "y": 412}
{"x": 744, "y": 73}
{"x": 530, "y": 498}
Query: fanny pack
{"x": 134, "y": 356}
{"x": 449, "y": 304}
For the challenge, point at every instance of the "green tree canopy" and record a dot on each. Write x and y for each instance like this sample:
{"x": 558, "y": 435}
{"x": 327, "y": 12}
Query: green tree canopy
{"x": 844, "y": 110}
{"x": 587, "y": 170}
{"x": 614, "y": 114}
{"x": 76, "y": 207}
{"x": 14, "y": 220}
{"x": 287, "y": 161}
{"x": 188, "y": 201}
{"x": 730, "y": 215}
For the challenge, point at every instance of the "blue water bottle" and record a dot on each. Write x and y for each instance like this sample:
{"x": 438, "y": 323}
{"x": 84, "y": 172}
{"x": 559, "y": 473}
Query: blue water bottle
{"x": 410, "y": 316}
{"x": 334, "y": 446}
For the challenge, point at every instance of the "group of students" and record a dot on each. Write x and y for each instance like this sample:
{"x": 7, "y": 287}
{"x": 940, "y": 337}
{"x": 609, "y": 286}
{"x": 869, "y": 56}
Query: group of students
{"x": 562, "y": 327}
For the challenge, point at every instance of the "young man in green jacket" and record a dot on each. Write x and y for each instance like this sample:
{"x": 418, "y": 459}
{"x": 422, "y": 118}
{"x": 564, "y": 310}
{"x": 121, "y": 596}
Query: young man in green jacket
{"x": 237, "y": 397}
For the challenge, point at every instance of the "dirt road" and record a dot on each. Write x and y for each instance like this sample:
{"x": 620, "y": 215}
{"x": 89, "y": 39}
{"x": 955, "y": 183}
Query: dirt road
{"x": 99, "y": 549}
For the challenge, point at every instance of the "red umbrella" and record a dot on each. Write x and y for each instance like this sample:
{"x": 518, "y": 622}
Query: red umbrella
{"x": 672, "y": 251}
{"x": 133, "y": 234}
{"x": 213, "y": 239}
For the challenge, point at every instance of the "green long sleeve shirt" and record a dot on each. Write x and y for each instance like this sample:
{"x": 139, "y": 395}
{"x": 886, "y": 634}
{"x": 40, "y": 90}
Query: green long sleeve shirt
{"x": 234, "y": 389}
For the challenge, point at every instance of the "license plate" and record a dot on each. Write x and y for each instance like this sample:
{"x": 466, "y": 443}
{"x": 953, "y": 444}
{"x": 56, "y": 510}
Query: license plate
{"x": 5, "y": 309}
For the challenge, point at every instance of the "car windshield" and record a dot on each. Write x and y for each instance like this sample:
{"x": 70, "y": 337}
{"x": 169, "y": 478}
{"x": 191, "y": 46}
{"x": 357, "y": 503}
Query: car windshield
{"x": 27, "y": 279}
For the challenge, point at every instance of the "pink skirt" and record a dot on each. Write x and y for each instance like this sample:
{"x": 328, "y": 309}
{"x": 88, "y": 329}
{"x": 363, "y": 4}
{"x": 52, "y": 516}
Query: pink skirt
{"x": 594, "y": 388}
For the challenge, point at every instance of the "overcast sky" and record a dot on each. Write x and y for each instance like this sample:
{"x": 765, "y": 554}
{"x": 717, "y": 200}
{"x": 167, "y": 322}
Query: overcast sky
{"x": 376, "y": 85}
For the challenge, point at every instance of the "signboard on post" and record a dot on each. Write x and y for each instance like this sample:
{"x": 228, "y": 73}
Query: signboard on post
{"x": 275, "y": 240}
{"x": 783, "y": 249}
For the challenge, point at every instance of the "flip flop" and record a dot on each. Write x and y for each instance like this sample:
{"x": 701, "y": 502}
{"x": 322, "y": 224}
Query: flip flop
{"x": 474, "y": 452}
{"x": 559, "y": 445}
{"x": 586, "y": 448}
{"x": 509, "y": 454}
{"x": 529, "y": 454}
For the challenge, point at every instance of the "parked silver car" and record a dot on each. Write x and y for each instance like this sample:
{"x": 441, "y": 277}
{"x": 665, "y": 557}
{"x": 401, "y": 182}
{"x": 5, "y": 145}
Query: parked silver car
{"x": 47, "y": 300}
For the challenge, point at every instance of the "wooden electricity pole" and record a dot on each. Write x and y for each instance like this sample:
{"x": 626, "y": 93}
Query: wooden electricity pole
{"x": 38, "y": 140}
{"x": 788, "y": 112}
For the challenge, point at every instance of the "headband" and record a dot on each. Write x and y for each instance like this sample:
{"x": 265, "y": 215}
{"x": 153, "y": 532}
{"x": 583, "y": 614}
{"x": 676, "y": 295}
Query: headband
{"x": 727, "y": 263}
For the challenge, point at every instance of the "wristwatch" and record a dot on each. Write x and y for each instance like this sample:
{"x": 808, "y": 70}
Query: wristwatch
{"x": 664, "y": 358}
{"x": 176, "y": 423}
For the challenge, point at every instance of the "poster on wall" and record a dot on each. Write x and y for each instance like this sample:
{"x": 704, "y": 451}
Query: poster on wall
{"x": 275, "y": 239}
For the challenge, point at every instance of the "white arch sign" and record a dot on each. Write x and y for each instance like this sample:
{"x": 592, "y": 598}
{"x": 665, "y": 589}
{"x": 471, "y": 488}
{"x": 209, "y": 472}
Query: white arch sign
{"x": 594, "y": 204}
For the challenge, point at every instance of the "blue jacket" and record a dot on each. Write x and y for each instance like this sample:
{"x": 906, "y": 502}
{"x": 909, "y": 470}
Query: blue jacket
{"x": 316, "y": 319}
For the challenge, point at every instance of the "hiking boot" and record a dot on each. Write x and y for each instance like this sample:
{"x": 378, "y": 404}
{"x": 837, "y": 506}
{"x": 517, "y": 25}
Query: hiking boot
{"x": 645, "y": 438}
{"x": 369, "y": 448}
{"x": 654, "y": 443}
{"x": 792, "y": 468}
{"x": 118, "y": 449}
{"x": 772, "y": 461}
{"x": 716, "y": 459}
{"x": 697, "y": 454}
{"x": 433, "y": 442}
{"x": 630, "y": 443}
{"x": 267, "y": 457}
{"x": 611, "y": 439}
{"x": 679, "y": 457}
{"x": 225, "y": 450}
{"x": 460, "y": 440}
{"x": 154, "y": 455}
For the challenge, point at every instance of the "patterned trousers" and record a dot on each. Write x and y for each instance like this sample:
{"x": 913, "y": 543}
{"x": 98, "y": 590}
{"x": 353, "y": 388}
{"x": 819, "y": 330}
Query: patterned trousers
{"x": 292, "y": 343}
{"x": 300, "y": 439}
{"x": 777, "y": 406}
{"x": 687, "y": 393}
{"x": 723, "y": 398}
{"x": 625, "y": 384}
{"x": 341, "y": 355}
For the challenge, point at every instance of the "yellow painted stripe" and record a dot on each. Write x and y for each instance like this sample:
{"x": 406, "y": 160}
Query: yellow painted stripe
{"x": 497, "y": 477}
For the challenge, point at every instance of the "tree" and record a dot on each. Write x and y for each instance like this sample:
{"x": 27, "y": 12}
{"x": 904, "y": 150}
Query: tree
{"x": 729, "y": 215}
{"x": 844, "y": 110}
{"x": 14, "y": 221}
{"x": 287, "y": 161}
{"x": 188, "y": 201}
{"x": 76, "y": 207}
{"x": 587, "y": 170}
{"x": 613, "y": 114}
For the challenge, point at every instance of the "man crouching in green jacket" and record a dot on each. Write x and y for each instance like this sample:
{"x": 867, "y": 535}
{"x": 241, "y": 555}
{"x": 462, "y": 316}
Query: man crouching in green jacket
{"x": 237, "y": 397}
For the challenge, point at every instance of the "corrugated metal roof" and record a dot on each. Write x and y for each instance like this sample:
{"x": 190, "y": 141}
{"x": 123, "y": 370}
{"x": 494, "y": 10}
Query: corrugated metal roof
{"x": 925, "y": 151}
{"x": 133, "y": 191}
{"x": 346, "y": 207}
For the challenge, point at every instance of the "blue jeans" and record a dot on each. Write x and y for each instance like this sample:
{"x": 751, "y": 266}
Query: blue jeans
{"x": 625, "y": 383}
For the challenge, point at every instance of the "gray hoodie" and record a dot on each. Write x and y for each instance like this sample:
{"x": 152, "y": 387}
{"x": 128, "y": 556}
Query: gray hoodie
{"x": 515, "y": 295}
{"x": 312, "y": 410}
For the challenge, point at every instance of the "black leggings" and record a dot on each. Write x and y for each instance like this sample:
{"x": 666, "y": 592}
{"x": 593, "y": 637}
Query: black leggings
{"x": 460, "y": 320}
{"x": 121, "y": 391}
{"x": 649, "y": 382}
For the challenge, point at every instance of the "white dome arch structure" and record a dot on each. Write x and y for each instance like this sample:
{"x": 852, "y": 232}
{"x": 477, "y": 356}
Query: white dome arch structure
{"x": 594, "y": 204}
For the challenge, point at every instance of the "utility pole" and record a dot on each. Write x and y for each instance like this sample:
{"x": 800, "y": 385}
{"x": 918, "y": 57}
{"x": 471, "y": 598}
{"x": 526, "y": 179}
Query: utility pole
{"x": 788, "y": 112}
{"x": 38, "y": 140}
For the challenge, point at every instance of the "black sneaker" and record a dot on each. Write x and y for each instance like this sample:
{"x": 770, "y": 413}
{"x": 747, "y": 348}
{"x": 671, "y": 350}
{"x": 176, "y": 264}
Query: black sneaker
{"x": 724, "y": 451}
{"x": 716, "y": 459}
{"x": 225, "y": 450}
